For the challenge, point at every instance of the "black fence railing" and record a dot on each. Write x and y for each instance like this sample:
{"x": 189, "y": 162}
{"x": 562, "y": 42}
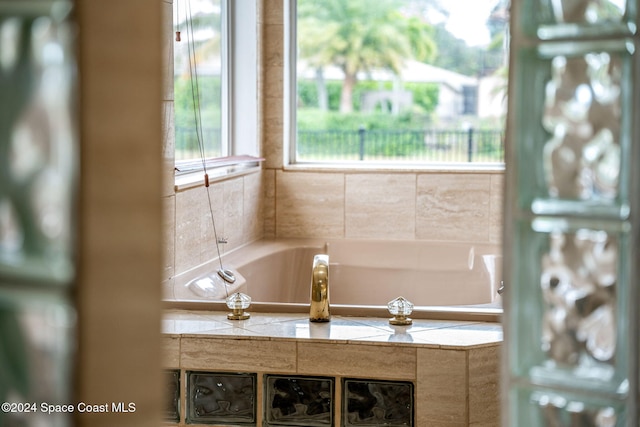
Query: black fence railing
{"x": 402, "y": 145}
{"x": 187, "y": 141}
{"x": 439, "y": 146}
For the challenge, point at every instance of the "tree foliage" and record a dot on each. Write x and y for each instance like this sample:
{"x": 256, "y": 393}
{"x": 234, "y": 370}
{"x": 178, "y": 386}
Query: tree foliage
{"x": 360, "y": 35}
{"x": 425, "y": 95}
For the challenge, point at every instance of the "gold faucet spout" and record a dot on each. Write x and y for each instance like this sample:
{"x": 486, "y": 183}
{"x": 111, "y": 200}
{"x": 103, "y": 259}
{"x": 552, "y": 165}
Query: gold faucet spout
{"x": 319, "y": 308}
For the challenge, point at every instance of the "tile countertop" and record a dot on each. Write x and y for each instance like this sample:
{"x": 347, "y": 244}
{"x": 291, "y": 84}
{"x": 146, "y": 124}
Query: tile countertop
{"x": 341, "y": 329}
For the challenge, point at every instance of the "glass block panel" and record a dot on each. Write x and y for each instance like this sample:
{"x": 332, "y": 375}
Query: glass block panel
{"x": 543, "y": 408}
{"x": 573, "y": 325}
{"x": 221, "y": 398}
{"x": 574, "y": 108}
{"x": 38, "y": 140}
{"x": 298, "y": 401}
{"x": 37, "y": 336}
{"x": 552, "y": 19}
{"x": 172, "y": 404}
{"x": 377, "y": 403}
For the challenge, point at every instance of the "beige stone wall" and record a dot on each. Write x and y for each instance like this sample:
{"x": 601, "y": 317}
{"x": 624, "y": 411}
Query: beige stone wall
{"x": 385, "y": 205}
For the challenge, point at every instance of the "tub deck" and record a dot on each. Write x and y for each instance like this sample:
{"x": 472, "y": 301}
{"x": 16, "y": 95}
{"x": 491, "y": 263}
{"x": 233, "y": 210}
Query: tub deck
{"x": 454, "y": 364}
{"x": 491, "y": 312}
{"x": 427, "y": 332}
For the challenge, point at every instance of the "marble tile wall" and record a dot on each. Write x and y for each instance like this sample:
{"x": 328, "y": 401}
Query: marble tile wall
{"x": 443, "y": 385}
{"x": 456, "y": 396}
{"x": 386, "y": 205}
{"x": 273, "y": 82}
{"x": 309, "y": 205}
{"x": 483, "y": 374}
{"x": 237, "y": 206}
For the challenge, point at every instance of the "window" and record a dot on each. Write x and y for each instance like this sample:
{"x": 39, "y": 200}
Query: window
{"x": 199, "y": 79}
{"x": 397, "y": 81}
{"x": 208, "y": 90}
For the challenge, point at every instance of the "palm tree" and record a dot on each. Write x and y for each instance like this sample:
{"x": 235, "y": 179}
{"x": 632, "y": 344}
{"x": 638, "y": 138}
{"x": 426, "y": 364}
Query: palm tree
{"x": 360, "y": 35}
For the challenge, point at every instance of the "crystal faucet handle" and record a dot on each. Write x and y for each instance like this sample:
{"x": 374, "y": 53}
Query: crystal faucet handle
{"x": 238, "y": 303}
{"x": 400, "y": 308}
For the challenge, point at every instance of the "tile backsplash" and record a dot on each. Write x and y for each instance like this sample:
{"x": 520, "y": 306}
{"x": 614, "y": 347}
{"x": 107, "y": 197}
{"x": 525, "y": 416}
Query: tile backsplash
{"x": 385, "y": 205}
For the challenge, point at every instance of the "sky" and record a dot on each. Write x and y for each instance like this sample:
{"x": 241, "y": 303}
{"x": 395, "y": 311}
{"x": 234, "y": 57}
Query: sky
{"x": 467, "y": 20}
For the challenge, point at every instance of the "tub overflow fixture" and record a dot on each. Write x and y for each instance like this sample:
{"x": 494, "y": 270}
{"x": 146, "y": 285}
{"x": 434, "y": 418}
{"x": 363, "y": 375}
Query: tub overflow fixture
{"x": 227, "y": 275}
{"x": 238, "y": 303}
{"x": 400, "y": 308}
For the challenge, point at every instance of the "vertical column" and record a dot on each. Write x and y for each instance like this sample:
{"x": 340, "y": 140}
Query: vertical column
{"x": 571, "y": 215}
{"x": 120, "y": 234}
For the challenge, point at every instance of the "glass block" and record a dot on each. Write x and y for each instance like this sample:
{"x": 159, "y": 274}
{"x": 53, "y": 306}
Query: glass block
{"x": 37, "y": 336}
{"x": 554, "y": 19}
{"x": 541, "y": 408}
{"x": 298, "y": 401}
{"x": 172, "y": 404}
{"x": 221, "y": 398}
{"x": 376, "y": 403}
{"x": 573, "y": 326}
{"x": 38, "y": 141}
{"x": 574, "y": 110}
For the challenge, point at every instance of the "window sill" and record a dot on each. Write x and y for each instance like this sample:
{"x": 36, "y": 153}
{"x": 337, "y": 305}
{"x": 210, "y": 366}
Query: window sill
{"x": 217, "y": 169}
{"x": 398, "y": 168}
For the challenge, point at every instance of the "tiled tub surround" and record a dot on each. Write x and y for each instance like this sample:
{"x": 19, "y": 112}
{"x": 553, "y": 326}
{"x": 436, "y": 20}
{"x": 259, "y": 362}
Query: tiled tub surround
{"x": 364, "y": 275}
{"x": 453, "y": 365}
{"x": 330, "y": 204}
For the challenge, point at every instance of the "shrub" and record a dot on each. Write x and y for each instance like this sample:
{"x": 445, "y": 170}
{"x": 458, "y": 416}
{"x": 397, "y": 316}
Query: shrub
{"x": 425, "y": 95}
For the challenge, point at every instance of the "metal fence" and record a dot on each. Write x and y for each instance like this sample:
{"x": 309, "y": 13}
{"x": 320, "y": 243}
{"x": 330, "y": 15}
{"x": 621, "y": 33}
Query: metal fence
{"x": 187, "y": 145}
{"x": 401, "y": 145}
{"x": 439, "y": 146}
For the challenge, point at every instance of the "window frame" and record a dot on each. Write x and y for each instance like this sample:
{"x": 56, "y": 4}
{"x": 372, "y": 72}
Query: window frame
{"x": 290, "y": 160}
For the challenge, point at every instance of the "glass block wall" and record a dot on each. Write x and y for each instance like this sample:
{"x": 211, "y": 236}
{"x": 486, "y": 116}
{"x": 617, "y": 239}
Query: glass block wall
{"x": 172, "y": 394}
{"x": 293, "y": 401}
{"x": 38, "y": 149}
{"x": 377, "y": 403}
{"x": 221, "y": 398}
{"x": 571, "y": 218}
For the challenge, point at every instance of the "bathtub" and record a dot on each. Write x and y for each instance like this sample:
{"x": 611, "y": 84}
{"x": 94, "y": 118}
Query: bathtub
{"x": 444, "y": 280}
